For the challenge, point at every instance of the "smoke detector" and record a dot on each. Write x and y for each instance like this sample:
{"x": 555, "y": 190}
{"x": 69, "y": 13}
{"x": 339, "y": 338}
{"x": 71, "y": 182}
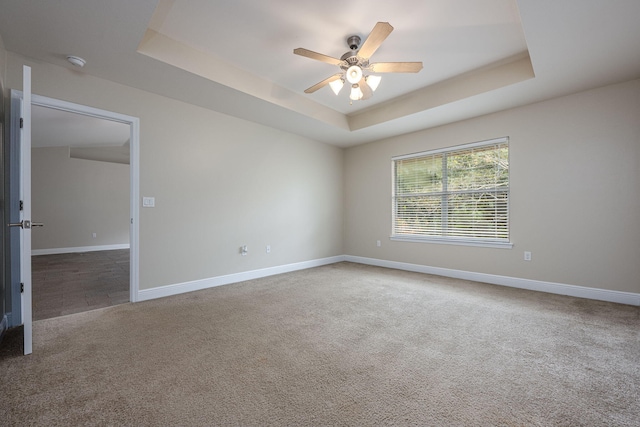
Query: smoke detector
{"x": 76, "y": 61}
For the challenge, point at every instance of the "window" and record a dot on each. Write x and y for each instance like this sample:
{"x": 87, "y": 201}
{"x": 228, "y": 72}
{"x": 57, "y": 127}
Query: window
{"x": 454, "y": 195}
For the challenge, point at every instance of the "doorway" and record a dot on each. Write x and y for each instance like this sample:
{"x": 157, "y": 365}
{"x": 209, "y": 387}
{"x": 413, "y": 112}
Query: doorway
{"x": 80, "y": 190}
{"x": 21, "y": 302}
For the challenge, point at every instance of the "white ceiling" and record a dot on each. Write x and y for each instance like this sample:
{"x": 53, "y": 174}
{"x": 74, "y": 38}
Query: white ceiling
{"x": 448, "y": 42}
{"x": 236, "y": 57}
{"x": 57, "y": 128}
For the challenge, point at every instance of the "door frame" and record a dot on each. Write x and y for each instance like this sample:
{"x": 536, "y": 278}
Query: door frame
{"x": 134, "y": 173}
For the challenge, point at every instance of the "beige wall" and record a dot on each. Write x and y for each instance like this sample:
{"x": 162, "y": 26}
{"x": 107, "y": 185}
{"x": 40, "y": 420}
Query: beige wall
{"x": 219, "y": 183}
{"x": 3, "y": 63}
{"x": 75, "y": 198}
{"x": 575, "y": 199}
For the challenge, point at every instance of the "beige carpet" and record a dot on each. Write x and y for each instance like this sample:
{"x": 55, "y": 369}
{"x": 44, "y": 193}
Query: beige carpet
{"x": 343, "y": 344}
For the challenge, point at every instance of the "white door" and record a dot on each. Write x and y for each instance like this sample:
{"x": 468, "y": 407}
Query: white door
{"x": 25, "y": 223}
{"x": 25, "y": 179}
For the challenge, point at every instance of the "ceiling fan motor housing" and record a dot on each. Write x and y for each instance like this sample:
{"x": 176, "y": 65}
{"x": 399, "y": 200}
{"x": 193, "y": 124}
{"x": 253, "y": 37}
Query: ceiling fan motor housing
{"x": 351, "y": 58}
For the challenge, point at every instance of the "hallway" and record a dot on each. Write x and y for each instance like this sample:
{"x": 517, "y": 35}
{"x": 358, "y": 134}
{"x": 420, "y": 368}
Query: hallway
{"x": 71, "y": 283}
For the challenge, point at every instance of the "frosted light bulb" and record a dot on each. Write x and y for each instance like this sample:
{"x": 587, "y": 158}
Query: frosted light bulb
{"x": 356, "y": 93}
{"x": 336, "y": 86}
{"x": 373, "y": 82}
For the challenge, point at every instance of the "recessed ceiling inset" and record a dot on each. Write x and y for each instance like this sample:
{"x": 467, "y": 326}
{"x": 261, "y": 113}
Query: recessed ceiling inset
{"x": 472, "y": 47}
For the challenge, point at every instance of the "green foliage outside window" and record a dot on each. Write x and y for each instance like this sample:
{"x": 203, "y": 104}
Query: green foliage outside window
{"x": 461, "y": 194}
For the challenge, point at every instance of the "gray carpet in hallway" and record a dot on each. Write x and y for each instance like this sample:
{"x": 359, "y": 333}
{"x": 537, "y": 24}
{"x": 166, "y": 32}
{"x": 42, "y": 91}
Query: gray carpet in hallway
{"x": 343, "y": 344}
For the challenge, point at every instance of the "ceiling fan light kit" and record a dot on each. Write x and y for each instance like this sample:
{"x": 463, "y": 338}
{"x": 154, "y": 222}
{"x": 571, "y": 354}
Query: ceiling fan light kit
{"x": 355, "y": 63}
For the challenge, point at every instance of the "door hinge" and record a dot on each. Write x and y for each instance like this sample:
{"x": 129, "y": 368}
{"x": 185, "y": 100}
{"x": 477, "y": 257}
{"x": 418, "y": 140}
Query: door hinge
{"x": 21, "y": 205}
{"x": 21, "y": 122}
{"x": 21, "y": 288}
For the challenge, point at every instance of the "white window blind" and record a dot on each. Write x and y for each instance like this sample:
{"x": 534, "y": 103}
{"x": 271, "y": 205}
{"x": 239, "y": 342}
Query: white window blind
{"x": 457, "y": 194}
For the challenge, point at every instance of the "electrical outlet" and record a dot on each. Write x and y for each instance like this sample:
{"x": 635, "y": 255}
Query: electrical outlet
{"x": 527, "y": 256}
{"x": 268, "y": 249}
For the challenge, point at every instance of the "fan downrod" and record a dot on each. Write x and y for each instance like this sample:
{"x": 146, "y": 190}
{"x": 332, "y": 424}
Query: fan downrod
{"x": 353, "y": 42}
{"x": 351, "y": 57}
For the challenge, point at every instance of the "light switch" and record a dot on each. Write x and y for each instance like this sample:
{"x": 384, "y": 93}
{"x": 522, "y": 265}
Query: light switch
{"x": 148, "y": 202}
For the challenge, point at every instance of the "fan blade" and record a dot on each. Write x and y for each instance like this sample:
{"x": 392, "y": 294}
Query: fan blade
{"x": 323, "y": 83}
{"x": 379, "y": 33}
{"x": 317, "y": 56}
{"x": 366, "y": 90}
{"x": 395, "y": 67}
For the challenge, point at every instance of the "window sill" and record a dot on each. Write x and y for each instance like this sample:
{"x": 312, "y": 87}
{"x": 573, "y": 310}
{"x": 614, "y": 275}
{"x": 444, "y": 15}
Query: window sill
{"x": 459, "y": 242}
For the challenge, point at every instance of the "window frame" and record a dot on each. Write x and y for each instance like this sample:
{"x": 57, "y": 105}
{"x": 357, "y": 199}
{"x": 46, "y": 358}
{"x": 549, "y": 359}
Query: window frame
{"x": 443, "y": 239}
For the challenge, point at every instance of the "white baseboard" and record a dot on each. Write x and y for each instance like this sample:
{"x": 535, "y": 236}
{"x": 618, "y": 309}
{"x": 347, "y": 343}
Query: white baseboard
{"x": 196, "y": 285}
{"x": 53, "y": 251}
{"x": 11, "y": 322}
{"x": 629, "y": 298}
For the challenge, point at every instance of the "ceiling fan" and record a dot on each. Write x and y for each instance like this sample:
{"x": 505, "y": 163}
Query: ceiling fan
{"x": 355, "y": 63}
